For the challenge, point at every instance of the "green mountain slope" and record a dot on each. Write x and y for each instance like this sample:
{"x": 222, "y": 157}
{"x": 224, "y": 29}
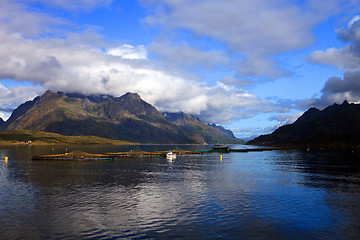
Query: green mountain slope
{"x": 39, "y": 137}
{"x": 126, "y": 118}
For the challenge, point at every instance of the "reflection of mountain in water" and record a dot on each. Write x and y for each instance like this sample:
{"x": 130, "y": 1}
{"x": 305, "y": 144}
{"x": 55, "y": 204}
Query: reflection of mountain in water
{"x": 337, "y": 175}
{"x": 296, "y": 194}
{"x": 334, "y": 171}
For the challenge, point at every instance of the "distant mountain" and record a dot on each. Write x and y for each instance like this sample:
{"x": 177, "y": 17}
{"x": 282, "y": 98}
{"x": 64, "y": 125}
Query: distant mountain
{"x": 223, "y": 130}
{"x": 200, "y": 131}
{"x": 247, "y": 139}
{"x": 127, "y": 118}
{"x": 338, "y": 124}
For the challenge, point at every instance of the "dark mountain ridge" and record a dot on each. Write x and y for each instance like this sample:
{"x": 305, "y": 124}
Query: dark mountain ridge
{"x": 127, "y": 118}
{"x": 336, "y": 124}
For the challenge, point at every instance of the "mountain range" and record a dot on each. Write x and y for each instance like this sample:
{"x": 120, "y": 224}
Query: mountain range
{"x": 127, "y": 118}
{"x": 336, "y": 124}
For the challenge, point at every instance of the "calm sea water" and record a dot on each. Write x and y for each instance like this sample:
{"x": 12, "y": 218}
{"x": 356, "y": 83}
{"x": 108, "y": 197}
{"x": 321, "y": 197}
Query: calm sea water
{"x": 255, "y": 195}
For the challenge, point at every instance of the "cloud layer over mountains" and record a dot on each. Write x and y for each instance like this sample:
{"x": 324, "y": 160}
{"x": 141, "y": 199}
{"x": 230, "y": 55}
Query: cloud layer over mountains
{"x": 239, "y": 39}
{"x": 74, "y": 64}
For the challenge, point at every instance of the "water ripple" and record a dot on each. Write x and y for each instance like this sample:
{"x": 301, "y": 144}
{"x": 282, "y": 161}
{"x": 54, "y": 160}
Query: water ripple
{"x": 256, "y": 195}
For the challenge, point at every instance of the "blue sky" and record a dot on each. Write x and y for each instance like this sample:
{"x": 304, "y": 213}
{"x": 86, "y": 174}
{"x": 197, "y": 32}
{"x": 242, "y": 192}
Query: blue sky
{"x": 250, "y": 65}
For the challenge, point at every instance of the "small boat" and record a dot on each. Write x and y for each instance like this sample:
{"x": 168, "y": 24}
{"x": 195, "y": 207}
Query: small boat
{"x": 170, "y": 155}
{"x": 221, "y": 148}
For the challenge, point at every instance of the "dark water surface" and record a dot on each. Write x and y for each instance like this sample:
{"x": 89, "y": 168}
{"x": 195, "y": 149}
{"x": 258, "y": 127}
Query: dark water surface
{"x": 255, "y": 195}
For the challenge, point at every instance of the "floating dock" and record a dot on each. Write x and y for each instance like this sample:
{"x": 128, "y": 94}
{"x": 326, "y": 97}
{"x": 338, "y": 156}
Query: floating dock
{"x": 140, "y": 153}
{"x": 75, "y": 156}
{"x": 137, "y": 153}
{"x": 83, "y": 156}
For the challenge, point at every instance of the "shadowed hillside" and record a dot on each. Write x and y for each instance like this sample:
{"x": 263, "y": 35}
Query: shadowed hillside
{"x": 336, "y": 124}
{"x": 126, "y": 118}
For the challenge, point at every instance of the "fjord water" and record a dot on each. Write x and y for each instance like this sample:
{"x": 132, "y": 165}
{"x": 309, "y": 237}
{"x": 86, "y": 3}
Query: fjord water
{"x": 255, "y": 195}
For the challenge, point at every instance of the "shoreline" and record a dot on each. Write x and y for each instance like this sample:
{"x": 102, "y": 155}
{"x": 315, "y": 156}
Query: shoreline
{"x": 29, "y": 137}
{"x": 6, "y": 143}
{"x": 335, "y": 147}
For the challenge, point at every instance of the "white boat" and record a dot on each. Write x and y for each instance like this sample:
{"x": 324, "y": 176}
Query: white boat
{"x": 170, "y": 155}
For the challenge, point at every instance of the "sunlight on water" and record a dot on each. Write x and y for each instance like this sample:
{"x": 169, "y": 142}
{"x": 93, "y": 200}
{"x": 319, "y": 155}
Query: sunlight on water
{"x": 269, "y": 195}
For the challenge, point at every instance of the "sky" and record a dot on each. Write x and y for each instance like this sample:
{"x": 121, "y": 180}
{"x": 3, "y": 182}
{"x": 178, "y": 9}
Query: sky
{"x": 249, "y": 65}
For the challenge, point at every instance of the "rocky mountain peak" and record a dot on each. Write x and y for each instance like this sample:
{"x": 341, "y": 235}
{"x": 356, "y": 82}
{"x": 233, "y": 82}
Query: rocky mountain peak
{"x": 345, "y": 103}
{"x": 49, "y": 95}
{"x": 126, "y": 118}
{"x": 309, "y": 115}
{"x": 129, "y": 96}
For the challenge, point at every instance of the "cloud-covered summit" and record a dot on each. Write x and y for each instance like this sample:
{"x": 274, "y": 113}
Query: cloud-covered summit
{"x": 62, "y": 64}
{"x": 210, "y": 58}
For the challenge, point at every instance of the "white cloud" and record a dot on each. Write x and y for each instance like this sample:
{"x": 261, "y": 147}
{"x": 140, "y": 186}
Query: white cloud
{"x": 353, "y": 20}
{"x": 127, "y": 51}
{"x": 14, "y": 18}
{"x": 236, "y": 23}
{"x": 183, "y": 55}
{"x": 274, "y": 121}
{"x": 284, "y": 119}
{"x": 342, "y": 58}
{"x": 239, "y": 83}
{"x": 70, "y": 64}
{"x": 12, "y": 97}
{"x": 249, "y": 133}
{"x": 3, "y": 117}
{"x": 345, "y": 58}
{"x": 61, "y": 66}
{"x": 76, "y": 63}
{"x": 337, "y": 89}
{"x": 254, "y": 30}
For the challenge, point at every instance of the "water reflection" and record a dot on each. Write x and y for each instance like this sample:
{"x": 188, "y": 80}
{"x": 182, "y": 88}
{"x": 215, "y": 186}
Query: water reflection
{"x": 336, "y": 170}
{"x": 337, "y": 177}
{"x": 269, "y": 195}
